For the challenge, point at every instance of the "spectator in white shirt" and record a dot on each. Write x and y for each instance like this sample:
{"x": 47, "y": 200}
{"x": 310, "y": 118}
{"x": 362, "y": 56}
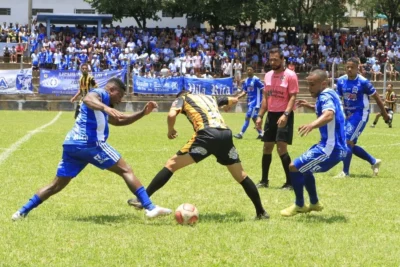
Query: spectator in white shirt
{"x": 376, "y": 70}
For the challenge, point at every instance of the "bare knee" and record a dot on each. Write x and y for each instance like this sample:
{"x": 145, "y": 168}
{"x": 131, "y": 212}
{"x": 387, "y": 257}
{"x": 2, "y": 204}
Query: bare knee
{"x": 350, "y": 143}
{"x": 292, "y": 168}
{"x": 268, "y": 148}
{"x": 282, "y": 148}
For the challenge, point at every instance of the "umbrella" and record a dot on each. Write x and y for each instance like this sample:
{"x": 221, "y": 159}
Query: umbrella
{"x": 380, "y": 16}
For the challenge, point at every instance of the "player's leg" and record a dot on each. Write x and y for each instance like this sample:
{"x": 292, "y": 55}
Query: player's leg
{"x": 225, "y": 152}
{"x": 249, "y": 113}
{"x": 68, "y": 168}
{"x": 269, "y": 139}
{"x": 254, "y": 119}
{"x": 77, "y": 110}
{"x": 378, "y": 115}
{"x": 284, "y": 138}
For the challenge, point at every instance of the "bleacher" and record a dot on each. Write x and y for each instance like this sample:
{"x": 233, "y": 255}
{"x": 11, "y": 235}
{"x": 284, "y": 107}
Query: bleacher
{"x": 131, "y": 102}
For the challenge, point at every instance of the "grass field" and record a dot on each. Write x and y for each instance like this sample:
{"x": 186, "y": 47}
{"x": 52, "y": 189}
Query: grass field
{"x": 90, "y": 224}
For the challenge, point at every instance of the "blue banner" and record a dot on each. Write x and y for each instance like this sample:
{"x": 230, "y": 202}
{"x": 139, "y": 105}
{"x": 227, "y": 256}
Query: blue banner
{"x": 16, "y": 81}
{"x": 173, "y": 85}
{"x": 161, "y": 86}
{"x": 221, "y": 86}
{"x": 64, "y": 82}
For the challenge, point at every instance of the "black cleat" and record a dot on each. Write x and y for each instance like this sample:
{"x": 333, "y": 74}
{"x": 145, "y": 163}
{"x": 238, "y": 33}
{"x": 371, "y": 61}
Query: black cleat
{"x": 134, "y": 202}
{"x": 259, "y": 137}
{"x": 287, "y": 186}
{"x": 238, "y": 136}
{"x": 262, "y": 184}
{"x": 262, "y": 216}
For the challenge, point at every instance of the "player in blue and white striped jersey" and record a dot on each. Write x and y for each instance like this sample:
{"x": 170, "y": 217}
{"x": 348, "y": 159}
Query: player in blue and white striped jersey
{"x": 330, "y": 150}
{"x": 356, "y": 92}
{"x": 87, "y": 144}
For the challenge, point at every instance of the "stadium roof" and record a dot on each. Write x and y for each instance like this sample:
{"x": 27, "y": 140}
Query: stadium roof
{"x": 62, "y": 18}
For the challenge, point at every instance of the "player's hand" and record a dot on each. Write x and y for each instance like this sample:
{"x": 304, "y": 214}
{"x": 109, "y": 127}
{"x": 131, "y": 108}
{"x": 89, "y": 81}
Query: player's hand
{"x": 113, "y": 113}
{"x": 282, "y": 121}
{"x": 259, "y": 123}
{"x": 302, "y": 103}
{"x": 149, "y": 107}
{"x": 304, "y": 130}
{"x": 72, "y": 100}
{"x": 172, "y": 134}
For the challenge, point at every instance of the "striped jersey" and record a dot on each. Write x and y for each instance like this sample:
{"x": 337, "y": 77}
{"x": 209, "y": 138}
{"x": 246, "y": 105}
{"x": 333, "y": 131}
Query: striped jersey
{"x": 86, "y": 83}
{"x": 253, "y": 86}
{"x": 390, "y": 96}
{"x": 332, "y": 134}
{"x": 355, "y": 94}
{"x": 201, "y": 110}
{"x": 91, "y": 126}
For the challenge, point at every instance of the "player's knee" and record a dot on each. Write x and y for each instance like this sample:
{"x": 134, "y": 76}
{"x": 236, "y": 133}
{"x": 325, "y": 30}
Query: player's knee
{"x": 350, "y": 143}
{"x": 268, "y": 148}
{"x": 292, "y": 168}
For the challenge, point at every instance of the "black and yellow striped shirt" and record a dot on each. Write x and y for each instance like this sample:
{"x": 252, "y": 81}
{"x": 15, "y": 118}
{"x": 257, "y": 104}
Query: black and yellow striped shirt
{"x": 390, "y": 96}
{"x": 85, "y": 84}
{"x": 202, "y": 110}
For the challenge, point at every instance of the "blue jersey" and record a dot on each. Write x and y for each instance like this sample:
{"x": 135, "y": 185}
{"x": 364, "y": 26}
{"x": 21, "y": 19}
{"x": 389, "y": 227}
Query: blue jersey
{"x": 91, "y": 126}
{"x": 332, "y": 134}
{"x": 253, "y": 87}
{"x": 355, "y": 94}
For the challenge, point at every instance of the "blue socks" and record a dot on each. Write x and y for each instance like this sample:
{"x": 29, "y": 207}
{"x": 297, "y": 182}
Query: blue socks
{"x": 245, "y": 125}
{"x": 347, "y": 160}
{"x": 30, "y": 205}
{"x": 141, "y": 194}
{"x": 309, "y": 183}
{"x": 361, "y": 153}
{"x": 298, "y": 183}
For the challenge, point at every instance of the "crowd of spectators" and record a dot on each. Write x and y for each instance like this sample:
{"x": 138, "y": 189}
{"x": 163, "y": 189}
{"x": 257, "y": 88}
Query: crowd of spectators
{"x": 198, "y": 52}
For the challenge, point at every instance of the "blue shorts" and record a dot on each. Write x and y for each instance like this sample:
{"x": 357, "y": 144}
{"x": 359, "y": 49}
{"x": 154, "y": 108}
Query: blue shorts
{"x": 252, "y": 112}
{"x": 75, "y": 158}
{"x": 354, "y": 126}
{"x": 316, "y": 160}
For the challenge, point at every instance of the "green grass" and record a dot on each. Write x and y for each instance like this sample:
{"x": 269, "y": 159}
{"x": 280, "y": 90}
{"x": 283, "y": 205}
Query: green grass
{"x": 90, "y": 224}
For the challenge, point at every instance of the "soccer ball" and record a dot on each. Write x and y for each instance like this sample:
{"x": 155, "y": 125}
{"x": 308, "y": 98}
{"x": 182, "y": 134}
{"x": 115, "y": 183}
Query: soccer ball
{"x": 186, "y": 214}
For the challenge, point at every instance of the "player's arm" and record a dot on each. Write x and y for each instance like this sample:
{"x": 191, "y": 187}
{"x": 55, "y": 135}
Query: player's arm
{"x": 175, "y": 109}
{"x": 76, "y": 95}
{"x": 129, "y": 119}
{"x": 93, "y": 83}
{"x": 327, "y": 116}
{"x": 262, "y": 111}
{"x": 305, "y": 104}
{"x": 93, "y": 101}
{"x": 381, "y": 106}
{"x": 225, "y": 101}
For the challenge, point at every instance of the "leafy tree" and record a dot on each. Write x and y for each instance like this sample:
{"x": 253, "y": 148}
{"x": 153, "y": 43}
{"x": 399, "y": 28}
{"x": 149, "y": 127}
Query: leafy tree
{"x": 140, "y": 10}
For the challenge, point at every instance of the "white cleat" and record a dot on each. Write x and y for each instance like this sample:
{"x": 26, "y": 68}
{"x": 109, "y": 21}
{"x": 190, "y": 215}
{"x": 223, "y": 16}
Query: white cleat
{"x": 18, "y": 216}
{"x": 157, "y": 211}
{"x": 375, "y": 167}
{"x": 342, "y": 175}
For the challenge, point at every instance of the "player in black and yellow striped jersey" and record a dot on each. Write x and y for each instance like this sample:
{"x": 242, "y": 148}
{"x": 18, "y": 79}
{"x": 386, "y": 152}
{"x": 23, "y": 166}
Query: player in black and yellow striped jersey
{"x": 86, "y": 83}
{"x": 390, "y": 105}
{"x": 211, "y": 137}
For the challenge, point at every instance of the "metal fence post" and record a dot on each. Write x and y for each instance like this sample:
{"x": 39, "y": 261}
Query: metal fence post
{"x": 384, "y": 78}
{"x": 333, "y": 74}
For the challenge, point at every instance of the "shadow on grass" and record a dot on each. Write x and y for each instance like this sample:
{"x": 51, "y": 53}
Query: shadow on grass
{"x": 362, "y": 176}
{"x": 222, "y": 217}
{"x": 311, "y": 218}
{"x": 108, "y": 219}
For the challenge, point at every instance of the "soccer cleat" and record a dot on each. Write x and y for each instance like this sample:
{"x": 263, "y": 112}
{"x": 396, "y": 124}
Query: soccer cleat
{"x": 262, "y": 184}
{"x": 315, "y": 207}
{"x": 293, "y": 210}
{"x": 259, "y": 137}
{"x": 18, "y": 216}
{"x": 375, "y": 167}
{"x": 157, "y": 212}
{"x": 342, "y": 175}
{"x": 262, "y": 216}
{"x": 134, "y": 202}
{"x": 287, "y": 186}
{"x": 372, "y": 126}
{"x": 238, "y": 136}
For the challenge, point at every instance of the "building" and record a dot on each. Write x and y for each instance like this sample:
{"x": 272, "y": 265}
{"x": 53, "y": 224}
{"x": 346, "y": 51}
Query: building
{"x": 17, "y": 12}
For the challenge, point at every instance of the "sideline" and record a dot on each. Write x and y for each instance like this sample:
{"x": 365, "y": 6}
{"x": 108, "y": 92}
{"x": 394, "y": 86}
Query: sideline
{"x": 13, "y": 147}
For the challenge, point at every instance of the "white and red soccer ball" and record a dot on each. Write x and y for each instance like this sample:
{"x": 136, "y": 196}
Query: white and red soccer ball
{"x": 187, "y": 214}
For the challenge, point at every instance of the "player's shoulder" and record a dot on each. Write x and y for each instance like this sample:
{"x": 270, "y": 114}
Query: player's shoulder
{"x": 289, "y": 72}
{"x": 342, "y": 79}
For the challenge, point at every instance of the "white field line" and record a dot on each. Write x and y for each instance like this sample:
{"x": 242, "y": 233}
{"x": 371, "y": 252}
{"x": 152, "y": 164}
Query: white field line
{"x": 15, "y": 146}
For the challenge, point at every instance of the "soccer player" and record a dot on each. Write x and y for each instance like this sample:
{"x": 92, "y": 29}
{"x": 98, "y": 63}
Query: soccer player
{"x": 252, "y": 87}
{"x": 355, "y": 91}
{"x": 86, "y": 83}
{"x": 281, "y": 88}
{"x": 212, "y": 137}
{"x": 390, "y": 105}
{"x": 330, "y": 150}
{"x": 87, "y": 143}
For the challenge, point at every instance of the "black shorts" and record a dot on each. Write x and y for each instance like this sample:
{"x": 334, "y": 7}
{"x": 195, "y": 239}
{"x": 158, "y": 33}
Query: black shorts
{"x": 212, "y": 141}
{"x": 274, "y": 134}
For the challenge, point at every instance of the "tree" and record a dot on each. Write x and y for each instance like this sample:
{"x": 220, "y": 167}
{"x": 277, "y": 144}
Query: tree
{"x": 391, "y": 9}
{"x": 140, "y": 10}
